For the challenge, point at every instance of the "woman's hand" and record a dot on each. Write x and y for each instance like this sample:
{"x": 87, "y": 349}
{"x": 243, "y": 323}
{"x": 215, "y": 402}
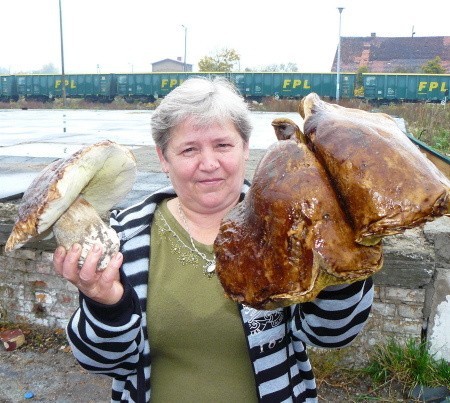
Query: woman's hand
{"x": 101, "y": 286}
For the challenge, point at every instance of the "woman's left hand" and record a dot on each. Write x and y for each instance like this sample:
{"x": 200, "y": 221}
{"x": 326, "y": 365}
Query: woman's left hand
{"x": 101, "y": 286}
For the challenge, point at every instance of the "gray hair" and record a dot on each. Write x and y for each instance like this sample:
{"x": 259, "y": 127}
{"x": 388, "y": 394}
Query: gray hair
{"x": 206, "y": 101}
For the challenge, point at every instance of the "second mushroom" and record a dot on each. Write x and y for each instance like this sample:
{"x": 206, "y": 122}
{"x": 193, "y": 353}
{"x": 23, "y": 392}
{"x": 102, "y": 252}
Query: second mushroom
{"x": 69, "y": 197}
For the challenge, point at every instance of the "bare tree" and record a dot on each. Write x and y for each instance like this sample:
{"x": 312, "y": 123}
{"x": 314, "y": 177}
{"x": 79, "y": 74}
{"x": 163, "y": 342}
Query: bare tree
{"x": 48, "y": 68}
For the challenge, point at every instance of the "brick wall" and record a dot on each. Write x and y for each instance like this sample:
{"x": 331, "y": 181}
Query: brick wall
{"x": 31, "y": 292}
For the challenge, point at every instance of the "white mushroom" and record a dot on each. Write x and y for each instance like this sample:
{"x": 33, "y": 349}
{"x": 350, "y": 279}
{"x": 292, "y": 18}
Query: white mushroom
{"x": 70, "y": 196}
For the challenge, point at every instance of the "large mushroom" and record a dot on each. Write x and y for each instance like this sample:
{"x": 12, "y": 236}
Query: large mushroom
{"x": 70, "y": 197}
{"x": 320, "y": 203}
{"x": 289, "y": 238}
{"x": 385, "y": 183}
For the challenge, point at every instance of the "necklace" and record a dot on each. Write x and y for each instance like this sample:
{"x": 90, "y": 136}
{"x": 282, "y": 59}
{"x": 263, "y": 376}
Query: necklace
{"x": 209, "y": 268}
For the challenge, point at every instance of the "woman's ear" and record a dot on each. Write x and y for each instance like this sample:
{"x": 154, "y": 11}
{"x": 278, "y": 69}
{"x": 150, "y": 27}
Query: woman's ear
{"x": 162, "y": 160}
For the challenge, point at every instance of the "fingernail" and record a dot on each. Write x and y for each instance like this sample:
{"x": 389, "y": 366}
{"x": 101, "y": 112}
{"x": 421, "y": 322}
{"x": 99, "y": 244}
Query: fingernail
{"x": 75, "y": 247}
{"x": 118, "y": 256}
{"x": 96, "y": 248}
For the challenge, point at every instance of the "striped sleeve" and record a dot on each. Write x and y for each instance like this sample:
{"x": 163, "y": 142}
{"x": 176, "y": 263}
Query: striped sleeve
{"x": 335, "y": 317}
{"x": 105, "y": 339}
{"x": 110, "y": 339}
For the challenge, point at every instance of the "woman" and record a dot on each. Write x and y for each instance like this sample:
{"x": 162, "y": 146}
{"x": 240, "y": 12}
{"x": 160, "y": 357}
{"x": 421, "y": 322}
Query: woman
{"x": 158, "y": 309}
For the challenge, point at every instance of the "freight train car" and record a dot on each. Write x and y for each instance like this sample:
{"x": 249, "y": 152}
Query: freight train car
{"x": 385, "y": 88}
{"x": 293, "y": 85}
{"x": 8, "y": 88}
{"x": 46, "y": 87}
{"x": 148, "y": 87}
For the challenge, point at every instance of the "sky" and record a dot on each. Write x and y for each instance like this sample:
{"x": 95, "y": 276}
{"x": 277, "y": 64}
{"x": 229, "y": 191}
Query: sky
{"x": 128, "y": 36}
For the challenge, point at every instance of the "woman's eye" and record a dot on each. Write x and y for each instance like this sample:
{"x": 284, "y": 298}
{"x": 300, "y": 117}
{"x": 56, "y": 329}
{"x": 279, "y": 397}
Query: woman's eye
{"x": 189, "y": 150}
{"x": 224, "y": 145}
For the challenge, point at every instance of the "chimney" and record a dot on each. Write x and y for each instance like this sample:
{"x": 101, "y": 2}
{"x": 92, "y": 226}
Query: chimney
{"x": 373, "y": 34}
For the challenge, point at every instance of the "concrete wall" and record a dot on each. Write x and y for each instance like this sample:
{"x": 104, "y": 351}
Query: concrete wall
{"x": 412, "y": 293}
{"x": 438, "y": 291}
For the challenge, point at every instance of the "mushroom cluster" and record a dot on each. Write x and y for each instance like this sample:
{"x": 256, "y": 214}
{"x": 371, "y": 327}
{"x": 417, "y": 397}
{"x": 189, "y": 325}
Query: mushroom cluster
{"x": 320, "y": 202}
{"x": 70, "y": 196}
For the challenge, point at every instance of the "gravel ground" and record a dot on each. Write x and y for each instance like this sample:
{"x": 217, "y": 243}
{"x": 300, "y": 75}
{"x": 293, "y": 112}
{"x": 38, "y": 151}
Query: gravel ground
{"x": 51, "y": 377}
{"x": 44, "y": 366}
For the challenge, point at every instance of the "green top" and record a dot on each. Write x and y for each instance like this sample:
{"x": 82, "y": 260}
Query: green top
{"x": 198, "y": 346}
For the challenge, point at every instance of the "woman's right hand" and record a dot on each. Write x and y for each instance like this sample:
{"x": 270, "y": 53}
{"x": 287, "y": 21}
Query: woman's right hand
{"x": 101, "y": 286}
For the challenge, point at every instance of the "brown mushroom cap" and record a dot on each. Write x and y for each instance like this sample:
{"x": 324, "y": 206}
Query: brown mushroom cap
{"x": 386, "y": 184}
{"x": 102, "y": 174}
{"x": 289, "y": 238}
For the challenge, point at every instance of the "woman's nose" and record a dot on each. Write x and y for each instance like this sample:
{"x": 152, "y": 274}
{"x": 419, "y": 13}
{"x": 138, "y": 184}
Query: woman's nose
{"x": 209, "y": 160}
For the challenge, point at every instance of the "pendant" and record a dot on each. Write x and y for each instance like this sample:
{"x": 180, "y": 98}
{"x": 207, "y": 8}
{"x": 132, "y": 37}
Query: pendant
{"x": 210, "y": 269}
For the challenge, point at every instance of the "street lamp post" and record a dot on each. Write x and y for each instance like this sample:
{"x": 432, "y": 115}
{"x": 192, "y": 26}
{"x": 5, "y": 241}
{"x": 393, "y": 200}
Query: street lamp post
{"x": 185, "y": 42}
{"x": 338, "y": 64}
{"x": 63, "y": 76}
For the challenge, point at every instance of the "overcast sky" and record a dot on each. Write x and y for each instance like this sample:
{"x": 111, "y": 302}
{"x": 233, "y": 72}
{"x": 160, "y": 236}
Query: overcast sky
{"x": 125, "y": 36}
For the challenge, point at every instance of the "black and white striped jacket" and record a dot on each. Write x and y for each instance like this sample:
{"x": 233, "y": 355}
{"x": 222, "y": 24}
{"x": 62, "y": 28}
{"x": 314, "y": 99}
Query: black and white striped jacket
{"x": 113, "y": 340}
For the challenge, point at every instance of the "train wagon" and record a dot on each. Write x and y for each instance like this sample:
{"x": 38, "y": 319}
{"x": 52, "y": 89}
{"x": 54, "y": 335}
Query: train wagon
{"x": 379, "y": 88}
{"x": 39, "y": 87}
{"x": 293, "y": 85}
{"x": 8, "y": 89}
{"x": 148, "y": 87}
{"x": 92, "y": 87}
{"x": 166, "y": 82}
{"x": 47, "y": 87}
{"x": 136, "y": 86}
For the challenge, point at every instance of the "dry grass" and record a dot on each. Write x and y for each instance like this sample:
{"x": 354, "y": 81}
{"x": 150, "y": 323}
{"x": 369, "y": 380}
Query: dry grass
{"x": 117, "y": 104}
{"x": 339, "y": 382}
{"x": 429, "y": 123}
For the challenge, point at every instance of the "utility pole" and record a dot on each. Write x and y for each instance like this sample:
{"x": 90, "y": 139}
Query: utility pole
{"x": 338, "y": 64}
{"x": 185, "y": 43}
{"x": 63, "y": 76}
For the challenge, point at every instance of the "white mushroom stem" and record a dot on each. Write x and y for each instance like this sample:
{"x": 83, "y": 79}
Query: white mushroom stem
{"x": 81, "y": 224}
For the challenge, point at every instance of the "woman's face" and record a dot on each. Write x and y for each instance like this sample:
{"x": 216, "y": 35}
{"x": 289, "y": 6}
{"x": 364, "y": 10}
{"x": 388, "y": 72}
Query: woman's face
{"x": 206, "y": 165}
